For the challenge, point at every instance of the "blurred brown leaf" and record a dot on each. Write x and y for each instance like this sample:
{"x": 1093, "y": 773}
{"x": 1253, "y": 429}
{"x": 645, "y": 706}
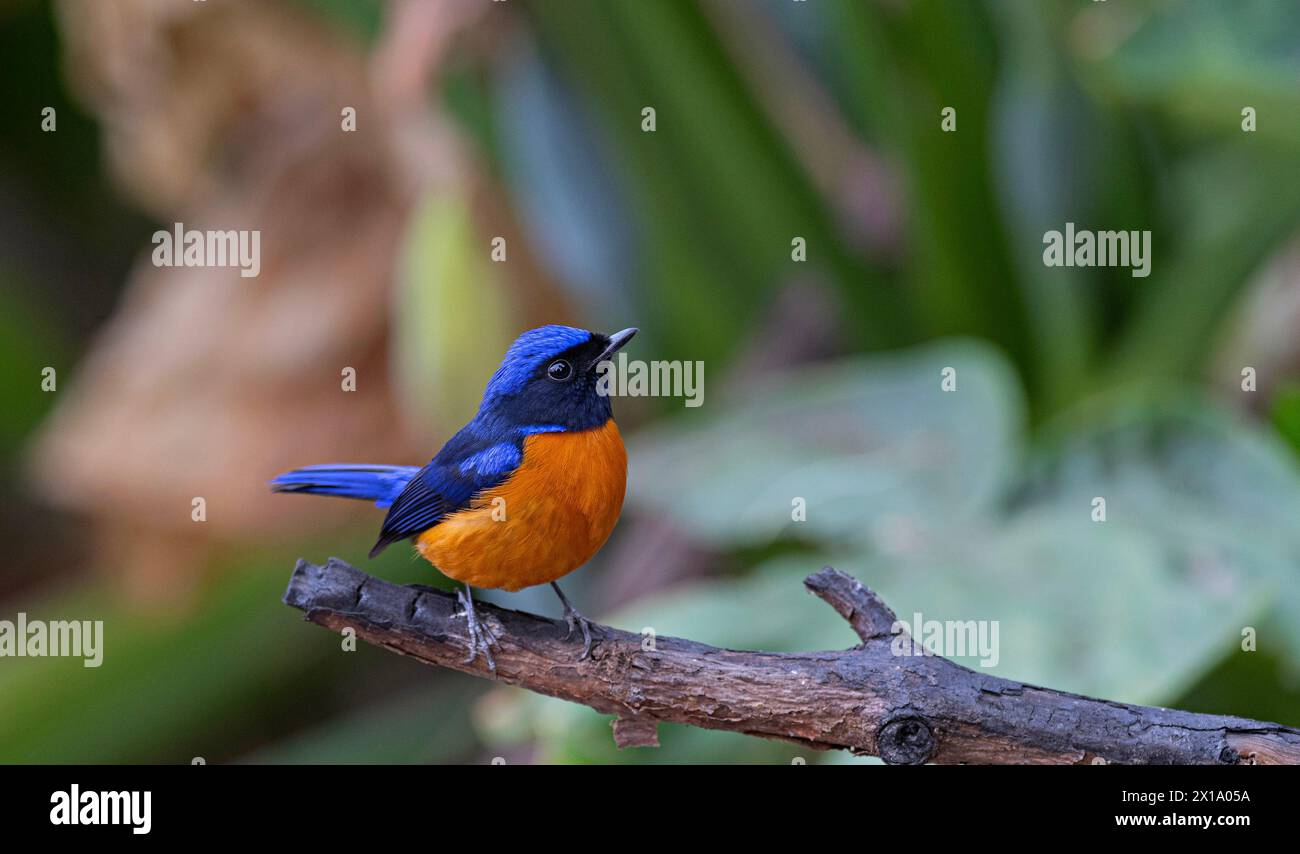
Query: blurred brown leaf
{"x": 206, "y": 384}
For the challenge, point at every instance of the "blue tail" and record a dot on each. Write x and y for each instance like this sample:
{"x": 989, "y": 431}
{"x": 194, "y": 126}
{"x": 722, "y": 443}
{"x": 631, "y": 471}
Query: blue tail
{"x": 380, "y": 484}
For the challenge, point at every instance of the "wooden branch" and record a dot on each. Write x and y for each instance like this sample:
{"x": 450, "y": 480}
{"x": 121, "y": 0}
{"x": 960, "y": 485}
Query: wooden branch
{"x": 905, "y": 709}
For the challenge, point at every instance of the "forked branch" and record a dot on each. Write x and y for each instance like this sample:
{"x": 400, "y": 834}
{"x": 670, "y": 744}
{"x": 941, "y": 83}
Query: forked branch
{"x": 905, "y": 709}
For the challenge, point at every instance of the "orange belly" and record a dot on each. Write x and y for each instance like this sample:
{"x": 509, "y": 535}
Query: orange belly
{"x": 548, "y": 519}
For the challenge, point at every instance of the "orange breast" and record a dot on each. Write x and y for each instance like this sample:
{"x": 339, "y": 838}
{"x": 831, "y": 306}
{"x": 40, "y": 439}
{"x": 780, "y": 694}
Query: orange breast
{"x": 548, "y": 519}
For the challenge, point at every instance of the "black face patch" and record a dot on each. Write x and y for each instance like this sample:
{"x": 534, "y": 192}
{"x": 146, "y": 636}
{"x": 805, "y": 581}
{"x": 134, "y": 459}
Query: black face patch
{"x": 571, "y": 403}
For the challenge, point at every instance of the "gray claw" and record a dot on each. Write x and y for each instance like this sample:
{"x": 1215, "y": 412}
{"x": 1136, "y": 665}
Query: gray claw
{"x": 481, "y": 636}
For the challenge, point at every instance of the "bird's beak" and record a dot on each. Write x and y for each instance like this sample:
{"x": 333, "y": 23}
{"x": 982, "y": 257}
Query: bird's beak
{"x": 616, "y": 342}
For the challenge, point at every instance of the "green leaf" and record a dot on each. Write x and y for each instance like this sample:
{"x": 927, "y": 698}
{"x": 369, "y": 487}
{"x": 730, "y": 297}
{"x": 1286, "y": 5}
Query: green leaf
{"x": 868, "y": 444}
{"x": 1198, "y": 542}
{"x": 176, "y": 686}
{"x": 28, "y": 344}
{"x": 1234, "y": 205}
{"x": 1203, "y": 61}
{"x": 363, "y": 19}
{"x": 1286, "y": 414}
{"x": 716, "y": 192}
{"x": 425, "y": 726}
{"x": 897, "y": 80}
{"x": 1213, "y": 498}
{"x": 453, "y": 320}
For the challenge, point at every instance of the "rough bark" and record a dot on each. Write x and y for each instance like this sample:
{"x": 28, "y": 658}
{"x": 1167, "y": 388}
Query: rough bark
{"x": 905, "y": 709}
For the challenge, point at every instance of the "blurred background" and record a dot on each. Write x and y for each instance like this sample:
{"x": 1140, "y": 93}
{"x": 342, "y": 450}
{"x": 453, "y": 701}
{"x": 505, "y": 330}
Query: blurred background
{"x": 773, "y": 121}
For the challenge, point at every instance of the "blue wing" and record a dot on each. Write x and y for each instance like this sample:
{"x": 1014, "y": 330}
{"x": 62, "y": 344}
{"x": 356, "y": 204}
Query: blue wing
{"x": 471, "y": 462}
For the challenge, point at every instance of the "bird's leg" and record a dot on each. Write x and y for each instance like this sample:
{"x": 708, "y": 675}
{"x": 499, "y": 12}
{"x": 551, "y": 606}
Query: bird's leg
{"x": 572, "y": 617}
{"x": 481, "y": 638}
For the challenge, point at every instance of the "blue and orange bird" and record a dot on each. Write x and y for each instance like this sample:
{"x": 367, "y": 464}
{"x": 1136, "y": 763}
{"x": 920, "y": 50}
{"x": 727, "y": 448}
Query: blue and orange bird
{"x": 523, "y": 494}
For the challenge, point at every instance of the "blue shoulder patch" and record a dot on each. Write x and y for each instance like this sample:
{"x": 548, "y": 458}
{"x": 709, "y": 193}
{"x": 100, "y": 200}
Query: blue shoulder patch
{"x": 493, "y": 461}
{"x": 534, "y": 429}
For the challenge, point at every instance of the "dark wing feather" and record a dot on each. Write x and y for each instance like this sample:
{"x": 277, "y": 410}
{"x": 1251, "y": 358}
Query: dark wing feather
{"x": 471, "y": 462}
{"x": 419, "y": 507}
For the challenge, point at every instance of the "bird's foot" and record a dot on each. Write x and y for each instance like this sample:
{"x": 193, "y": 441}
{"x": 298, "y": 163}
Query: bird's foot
{"x": 572, "y": 617}
{"x": 575, "y": 620}
{"x": 481, "y": 636}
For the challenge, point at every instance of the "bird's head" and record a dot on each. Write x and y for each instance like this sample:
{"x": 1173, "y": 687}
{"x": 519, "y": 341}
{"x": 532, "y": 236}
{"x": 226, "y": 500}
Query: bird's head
{"x": 547, "y": 380}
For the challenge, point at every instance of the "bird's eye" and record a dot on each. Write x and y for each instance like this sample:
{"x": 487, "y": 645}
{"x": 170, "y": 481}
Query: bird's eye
{"x": 559, "y": 370}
